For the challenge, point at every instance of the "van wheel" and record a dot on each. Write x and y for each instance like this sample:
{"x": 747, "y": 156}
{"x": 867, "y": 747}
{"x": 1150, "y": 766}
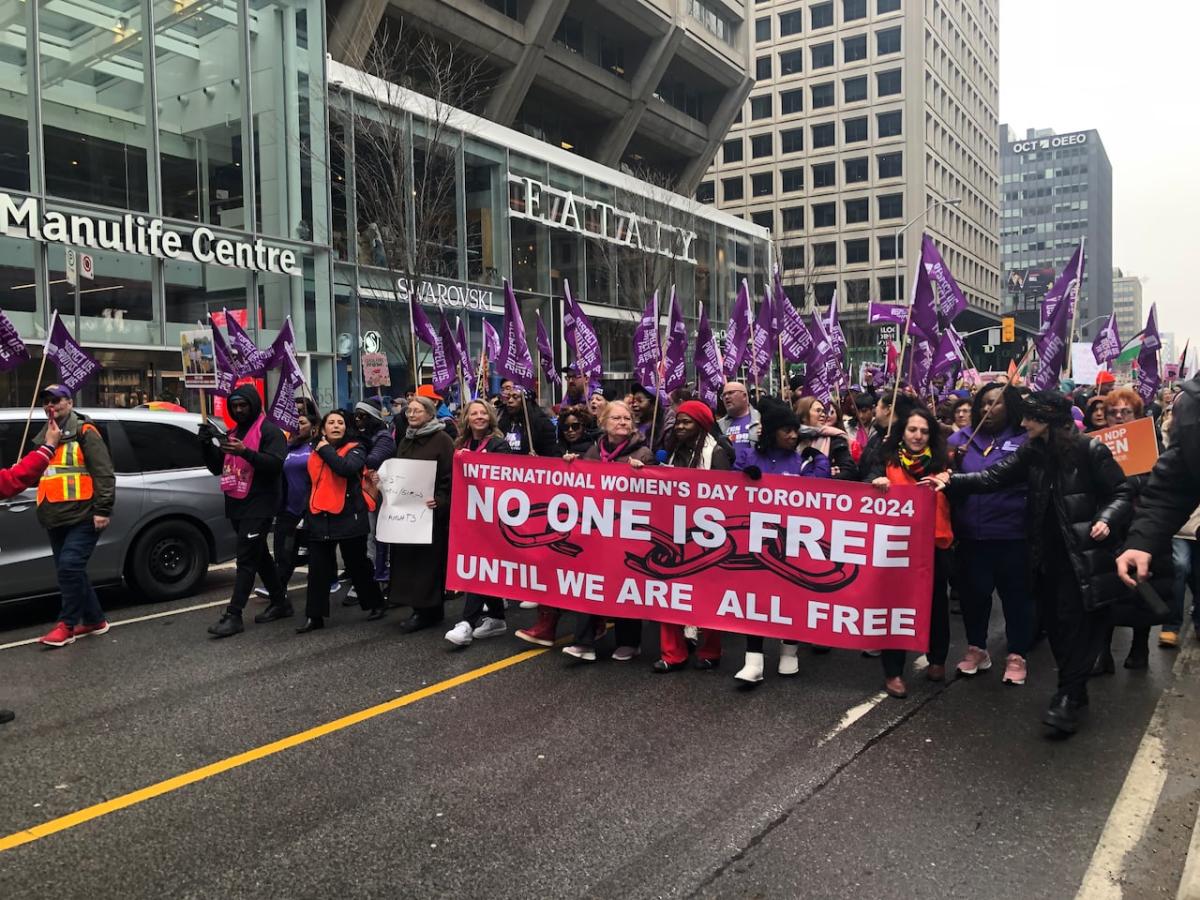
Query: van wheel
{"x": 168, "y": 561}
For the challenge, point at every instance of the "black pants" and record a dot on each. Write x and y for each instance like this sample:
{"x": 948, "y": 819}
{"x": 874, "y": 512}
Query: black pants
{"x": 628, "y": 631}
{"x": 1076, "y": 635}
{"x": 475, "y": 604}
{"x": 288, "y": 540}
{"x": 754, "y": 643}
{"x": 322, "y": 569}
{"x": 254, "y": 559}
{"x": 939, "y": 620}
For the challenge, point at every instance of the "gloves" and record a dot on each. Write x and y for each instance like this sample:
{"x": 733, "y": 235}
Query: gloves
{"x": 207, "y": 433}
{"x": 754, "y": 473}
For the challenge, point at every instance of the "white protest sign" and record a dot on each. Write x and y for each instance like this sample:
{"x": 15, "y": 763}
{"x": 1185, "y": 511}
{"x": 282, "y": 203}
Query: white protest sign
{"x": 403, "y": 516}
{"x": 1084, "y": 367}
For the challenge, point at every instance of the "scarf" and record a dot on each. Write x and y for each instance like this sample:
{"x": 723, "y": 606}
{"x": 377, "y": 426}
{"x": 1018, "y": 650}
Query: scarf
{"x": 915, "y": 464}
{"x": 610, "y": 455}
{"x": 237, "y": 473}
{"x": 427, "y": 428}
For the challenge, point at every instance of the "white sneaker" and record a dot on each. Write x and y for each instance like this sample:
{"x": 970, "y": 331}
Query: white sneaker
{"x": 788, "y": 663}
{"x": 490, "y": 627}
{"x": 352, "y": 594}
{"x": 625, "y": 654}
{"x": 460, "y": 635}
{"x": 579, "y": 651}
{"x": 752, "y": 671}
{"x": 262, "y": 592}
{"x": 528, "y": 604}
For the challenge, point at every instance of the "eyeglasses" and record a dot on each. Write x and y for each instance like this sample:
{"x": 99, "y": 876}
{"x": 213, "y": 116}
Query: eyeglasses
{"x": 1120, "y": 412}
{"x": 573, "y": 426}
{"x": 732, "y": 393}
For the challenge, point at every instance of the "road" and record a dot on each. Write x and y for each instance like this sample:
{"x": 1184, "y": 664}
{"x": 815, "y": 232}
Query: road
{"x": 229, "y": 769}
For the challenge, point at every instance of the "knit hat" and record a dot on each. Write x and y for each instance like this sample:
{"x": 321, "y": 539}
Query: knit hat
{"x": 1105, "y": 377}
{"x": 698, "y": 413}
{"x": 1050, "y": 407}
{"x": 775, "y": 415}
{"x": 370, "y": 409}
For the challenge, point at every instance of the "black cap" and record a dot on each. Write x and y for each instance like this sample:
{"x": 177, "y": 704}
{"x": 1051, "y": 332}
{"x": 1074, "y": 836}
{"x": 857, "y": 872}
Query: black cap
{"x": 1050, "y": 407}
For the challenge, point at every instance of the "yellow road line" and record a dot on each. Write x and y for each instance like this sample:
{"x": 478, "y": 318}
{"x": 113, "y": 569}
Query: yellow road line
{"x": 62, "y": 823}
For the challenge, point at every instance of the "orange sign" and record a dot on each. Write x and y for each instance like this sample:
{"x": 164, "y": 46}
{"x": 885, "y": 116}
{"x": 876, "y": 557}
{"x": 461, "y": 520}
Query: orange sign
{"x": 1134, "y": 446}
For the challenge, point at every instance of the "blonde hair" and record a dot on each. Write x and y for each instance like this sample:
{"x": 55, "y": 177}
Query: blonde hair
{"x": 464, "y": 427}
{"x": 613, "y": 404}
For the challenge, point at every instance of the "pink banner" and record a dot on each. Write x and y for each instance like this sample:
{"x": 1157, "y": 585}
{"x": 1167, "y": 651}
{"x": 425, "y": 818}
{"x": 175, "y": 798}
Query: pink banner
{"x": 828, "y": 562}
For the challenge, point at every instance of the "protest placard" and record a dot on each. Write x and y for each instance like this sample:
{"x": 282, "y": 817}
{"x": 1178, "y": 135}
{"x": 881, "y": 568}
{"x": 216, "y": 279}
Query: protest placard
{"x": 405, "y": 485}
{"x": 375, "y": 370}
{"x": 1134, "y": 446}
{"x": 199, "y": 362}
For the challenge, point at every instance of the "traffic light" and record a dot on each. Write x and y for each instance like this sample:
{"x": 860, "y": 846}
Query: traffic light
{"x": 1008, "y": 329}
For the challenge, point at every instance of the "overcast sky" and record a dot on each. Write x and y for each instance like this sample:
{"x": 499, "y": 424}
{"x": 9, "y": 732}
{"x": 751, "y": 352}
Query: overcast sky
{"x": 1128, "y": 70}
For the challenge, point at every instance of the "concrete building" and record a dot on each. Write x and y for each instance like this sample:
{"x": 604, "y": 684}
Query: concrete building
{"x": 864, "y": 112}
{"x": 652, "y": 84}
{"x": 1056, "y": 190}
{"x": 1127, "y": 303}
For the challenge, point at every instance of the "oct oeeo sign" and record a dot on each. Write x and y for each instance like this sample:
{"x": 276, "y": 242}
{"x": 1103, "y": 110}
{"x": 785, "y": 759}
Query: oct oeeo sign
{"x": 1049, "y": 143}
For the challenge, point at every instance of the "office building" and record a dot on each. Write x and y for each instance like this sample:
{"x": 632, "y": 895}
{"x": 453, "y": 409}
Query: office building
{"x": 1127, "y": 303}
{"x": 1056, "y": 191}
{"x": 863, "y": 114}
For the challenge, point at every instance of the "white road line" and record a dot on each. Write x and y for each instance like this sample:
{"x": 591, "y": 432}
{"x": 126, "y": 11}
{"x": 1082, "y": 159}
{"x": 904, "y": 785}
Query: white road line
{"x": 852, "y": 715}
{"x": 158, "y": 615}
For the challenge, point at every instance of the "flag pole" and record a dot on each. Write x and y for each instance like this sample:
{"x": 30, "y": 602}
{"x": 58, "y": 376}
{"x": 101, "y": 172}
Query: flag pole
{"x": 903, "y": 347}
{"x": 1074, "y": 317}
{"x": 412, "y": 334}
{"x": 37, "y": 388}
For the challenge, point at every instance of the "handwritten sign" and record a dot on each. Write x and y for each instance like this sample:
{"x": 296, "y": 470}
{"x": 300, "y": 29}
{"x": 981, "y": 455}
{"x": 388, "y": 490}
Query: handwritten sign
{"x": 1134, "y": 446}
{"x": 375, "y": 370}
{"x": 199, "y": 364}
{"x": 403, "y": 516}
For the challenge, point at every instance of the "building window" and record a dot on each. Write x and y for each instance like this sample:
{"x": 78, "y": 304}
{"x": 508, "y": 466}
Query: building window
{"x": 823, "y": 135}
{"x": 791, "y": 140}
{"x": 733, "y": 188}
{"x": 853, "y": 9}
{"x": 824, "y": 175}
{"x": 791, "y": 62}
{"x": 821, "y": 15}
{"x": 760, "y": 107}
{"x": 822, "y": 55}
{"x": 891, "y": 206}
{"x": 762, "y": 184}
{"x": 858, "y": 251}
{"x": 889, "y": 290}
{"x": 731, "y": 151}
{"x": 889, "y": 124}
{"x": 793, "y": 179}
{"x": 570, "y": 34}
{"x": 854, "y": 89}
{"x": 791, "y": 102}
{"x": 887, "y": 83}
{"x": 824, "y": 215}
{"x": 825, "y": 254}
{"x": 886, "y": 6}
{"x": 793, "y": 258}
{"x": 891, "y": 165}
{"x": 612, "y": 57}
{"x": 793, "y": 218}
{"x": 885, "y": 247}
{"x": 762, "y": 68}
{"x": 712, "y": 17}
{"x": 858, "y": 211}
{"x": 762, "y": 29}
{"x": 705, "y": 192}
{"x": 858, "y": 290}
{"x": 887, "y": 41}
{"x": 857, "y": 170}
{"x": 855, "y": 129}
{"x": 822, "y": 95}
{"x": 790, "y": 23}
{"x": 854, "y": 48}
{"x": 760, "y": 145}
{"x": 765, "y": 219}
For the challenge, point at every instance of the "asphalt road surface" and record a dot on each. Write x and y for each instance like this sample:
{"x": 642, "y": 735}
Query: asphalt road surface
{"x": 356, "y": 762}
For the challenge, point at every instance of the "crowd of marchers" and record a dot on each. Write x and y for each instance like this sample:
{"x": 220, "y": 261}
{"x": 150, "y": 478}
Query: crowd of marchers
{"x": 1029, "y": 508}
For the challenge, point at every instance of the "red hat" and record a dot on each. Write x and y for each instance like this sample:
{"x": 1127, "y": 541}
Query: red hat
{"x": 426, "y": 390}
{"x": 698, "y": 413}
{"x": 1105, "y": 377}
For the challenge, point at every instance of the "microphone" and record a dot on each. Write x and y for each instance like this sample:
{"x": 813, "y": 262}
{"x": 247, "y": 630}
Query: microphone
{"x": 662, "y": 456}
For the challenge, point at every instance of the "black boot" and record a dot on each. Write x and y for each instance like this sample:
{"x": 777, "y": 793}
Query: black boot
{"x": 313, "y": 623}
{"x": 6, "y": 716}
{"x": 273, "y": 612}
{"x": 1104, "y": 664}
{"x": 230, "y": 624}
{"x": 1139, "y": 650}
{"x": 1062, "y": 715}
{"x": 376, "y": 613}
{"x": 419, "y": 620}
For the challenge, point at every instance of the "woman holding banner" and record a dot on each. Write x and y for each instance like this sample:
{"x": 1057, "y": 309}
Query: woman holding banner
{"x": 914, "y": 452}
{"x": 832, "y": 441}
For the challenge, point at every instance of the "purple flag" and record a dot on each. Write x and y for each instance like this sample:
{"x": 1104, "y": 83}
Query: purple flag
{"x": 737, "y": 336}
{"x": 949, "y": 353}
{"x": 1148, "y": 376}
{"x": 1107, "y": 345}
{"x": 1051, "y": 343}
{"x": 920, "y": 364}
{"x": 283, "y": 345}
{"x": 923, "y": 309}
{"x": 546, "y": 354}
{"x": 1067, "y": 285}
{"x": 445, "y": 358}
{"x": 421, "y": 325}
{"x": 514, "y": 361}
{"x": 794, "y": 335}
{"x": 646, "y": 351}
{"x": 13, "y": 351}
{"x": 248, "y": 360}
{"x": 834, "y": 328}
{"x": 223, "y": 361}
{"x": 75, "y": 365}
{"x": 824, "y": 367}
{"x": 950, "y": 296}
{"x": 710, "y": 374}
{"x": 886, "y": 313}
{"x": 463, "y": 347}
{"x": 282, "y": 410}
{"x": 764, "y": 343}
{"x": 675, "y": 357}
{"x": 581, "y": 336}
{"x": 491, "y": 341}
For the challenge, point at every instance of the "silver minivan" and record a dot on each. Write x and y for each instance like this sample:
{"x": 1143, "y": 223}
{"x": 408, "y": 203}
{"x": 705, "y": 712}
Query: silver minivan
{"x": 168, "y": 525}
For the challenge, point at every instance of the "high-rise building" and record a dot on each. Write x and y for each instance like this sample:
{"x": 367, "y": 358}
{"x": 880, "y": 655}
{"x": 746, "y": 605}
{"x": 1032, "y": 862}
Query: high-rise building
{"x": 863, "y": 114}
{"x": 1056, "y": 190}
{"x": 1127, "y": 303}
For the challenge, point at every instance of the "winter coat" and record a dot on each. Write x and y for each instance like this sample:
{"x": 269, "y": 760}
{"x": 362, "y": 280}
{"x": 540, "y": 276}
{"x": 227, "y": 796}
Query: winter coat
{"x": 838, "y": 453}
{"x": 352, "y": 521}
{"x": 988, "y": 517}
{"x": 635, "y": 449}
{"x": 545, "y": 441}
{"x": 380, "y": 445}
{"x": 492, "y": 445}
{"x": 26, "y": 473}
{"x": 755, "y": 463}
{"x": 1081, "y": 488}
{"x": 815, "y": 464}
{"x": 713, "y": 455}
{"x": 262, "y": 502}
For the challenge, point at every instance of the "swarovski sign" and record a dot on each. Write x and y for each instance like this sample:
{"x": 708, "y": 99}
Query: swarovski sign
{"x": 140, "y": 235}
{"x": 445, "y": 295}
{"x": 559, "y": 208}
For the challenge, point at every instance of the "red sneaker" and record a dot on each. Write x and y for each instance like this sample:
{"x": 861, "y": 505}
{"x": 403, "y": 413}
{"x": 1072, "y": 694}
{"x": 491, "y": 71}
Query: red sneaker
{"x": 542, "y": 633}
{"x": 59, "y": 636}
{"x": 85, "y": 630}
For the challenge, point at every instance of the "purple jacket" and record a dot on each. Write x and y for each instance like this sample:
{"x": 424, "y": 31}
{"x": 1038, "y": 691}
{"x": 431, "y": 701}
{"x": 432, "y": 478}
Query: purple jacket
{"x": 811, "y": 463}
{"x": 999, "y": 516}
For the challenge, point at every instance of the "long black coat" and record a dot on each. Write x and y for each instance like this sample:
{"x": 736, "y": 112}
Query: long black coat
{"x": 419, "y": 570}
{"x": 1081, "y": 487}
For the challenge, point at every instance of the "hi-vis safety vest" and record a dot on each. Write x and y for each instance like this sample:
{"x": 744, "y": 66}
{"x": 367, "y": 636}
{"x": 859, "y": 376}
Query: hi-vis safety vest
{"x": 67, "y": 478}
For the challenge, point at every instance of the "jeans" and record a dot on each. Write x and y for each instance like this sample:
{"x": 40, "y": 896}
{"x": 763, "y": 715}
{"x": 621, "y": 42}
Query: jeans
{"x": 1184, "y": 555}
{"x": 999, "y": 566}
{"x": 253, "y": 558}
{"x": 72, "y": 546}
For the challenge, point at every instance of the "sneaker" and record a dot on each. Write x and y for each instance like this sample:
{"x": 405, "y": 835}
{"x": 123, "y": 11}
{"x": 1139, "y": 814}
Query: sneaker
{"x": 352, "y": 594}
{"x": 58, "y": 636}
{"x": 542, "y": 632}
{"x": 528, "y": 604}
{"x": 490, "y": 627}
{"x": 579, "y": 651}
{"x": 262, "y": 592}
{"x": 1168, "y": 639}
{"x": 84, "y": 630}
{"x": 974, "y": 661}
{"x": 625, "y": 654}
{"x": 460, "y": 634}
{"x": 1015, "y": 669}
{"x": 871, "y": 654}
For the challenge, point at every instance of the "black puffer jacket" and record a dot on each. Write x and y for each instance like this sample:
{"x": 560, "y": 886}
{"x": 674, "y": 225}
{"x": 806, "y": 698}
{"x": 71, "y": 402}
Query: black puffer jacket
{"x": 1084, "y": 486}
{"x": 1173, "y": 489}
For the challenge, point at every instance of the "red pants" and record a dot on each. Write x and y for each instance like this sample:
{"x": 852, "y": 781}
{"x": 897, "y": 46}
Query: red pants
{"x": 675, "y": 648}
